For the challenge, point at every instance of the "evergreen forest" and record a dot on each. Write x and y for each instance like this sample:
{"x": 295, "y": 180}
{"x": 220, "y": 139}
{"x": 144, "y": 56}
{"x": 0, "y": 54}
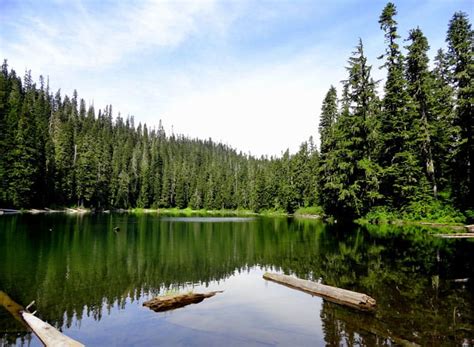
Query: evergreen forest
{"x": 406, "y": 151}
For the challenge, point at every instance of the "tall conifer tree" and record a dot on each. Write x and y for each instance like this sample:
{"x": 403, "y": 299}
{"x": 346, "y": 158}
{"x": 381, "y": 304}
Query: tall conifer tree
{"x": 420, "y": 87}
{"x": 460, "y": 40}
{"x": 403, "y": 175}
{"x": 351, "y": 182}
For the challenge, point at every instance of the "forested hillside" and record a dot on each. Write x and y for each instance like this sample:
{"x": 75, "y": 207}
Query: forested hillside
{"x": 410, "y": 149}
{"x": 57, "y": 151}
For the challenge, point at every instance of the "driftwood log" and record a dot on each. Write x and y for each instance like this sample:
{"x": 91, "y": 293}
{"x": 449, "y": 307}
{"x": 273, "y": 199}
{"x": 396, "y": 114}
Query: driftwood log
{"x": 47, "y": 333}
{"x": 340, "y": 296}
{"x": 456, "y": 235}
{"x": 171, "y": 302}
{"x": 469, "y": 228}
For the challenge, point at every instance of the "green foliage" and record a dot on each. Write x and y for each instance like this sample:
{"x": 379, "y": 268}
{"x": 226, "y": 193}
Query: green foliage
{"x": 310, "y": 210}
{"x": 432, "y": 210}
{"x": 327, "y": 119}
{"x": 349, "y": 177}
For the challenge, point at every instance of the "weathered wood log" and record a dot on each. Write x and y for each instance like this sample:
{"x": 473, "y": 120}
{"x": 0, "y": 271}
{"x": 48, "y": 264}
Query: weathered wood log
{"x": 460, "y": 280}
{"x": 469, "y": 228}
{"x": 455, "y": 235}
{"x": 441, "y": 225}
{"x": 340, "y": 296}
{"x": 9, "y": 211}
{"x": 47, "y": 333}
{"x": 171, "y": 302}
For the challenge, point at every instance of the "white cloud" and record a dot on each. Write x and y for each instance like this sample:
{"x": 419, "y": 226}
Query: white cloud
{"x": 83, "y": 38}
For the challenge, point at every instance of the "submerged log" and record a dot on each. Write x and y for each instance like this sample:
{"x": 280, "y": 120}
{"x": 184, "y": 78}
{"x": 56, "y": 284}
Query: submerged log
{"x": 11, "y": 306}
{"x": 47, "y": 333}
{"x": 340, "y": 296}
{"x": 354, "y": 321}
{"x": 171, "y": 302}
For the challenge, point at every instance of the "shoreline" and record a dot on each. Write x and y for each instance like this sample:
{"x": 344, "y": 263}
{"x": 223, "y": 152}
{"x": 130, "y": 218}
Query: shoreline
{"x": 241, "y": 213}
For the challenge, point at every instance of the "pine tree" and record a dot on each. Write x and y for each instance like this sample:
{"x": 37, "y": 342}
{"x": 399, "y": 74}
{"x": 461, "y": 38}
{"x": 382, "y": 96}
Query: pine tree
{"x": 420, "y": 86}
{"x": 350, "y": 185}
{"x": 24, "y": 173}
{"x": 4, "y": 93}
{"x": 63, "y": 141}
{"x": 327, "y": 119}
{"x": 460, "y": 40}
{"x": 403, "y": 178}
{"x": 86, "y": 171}
{"x": 446, "y": 133}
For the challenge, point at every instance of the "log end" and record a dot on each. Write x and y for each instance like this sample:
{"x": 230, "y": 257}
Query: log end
{"x": 469, "y": 228}
{"x": 368, "y": 303}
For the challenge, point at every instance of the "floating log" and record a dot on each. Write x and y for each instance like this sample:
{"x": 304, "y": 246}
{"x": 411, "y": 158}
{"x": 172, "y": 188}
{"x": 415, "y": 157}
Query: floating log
{"x": 461, "y": 280}
{"x": 455, "y": 235}
{"x": 171, "y": 302}
{"x": 9, "y": 211}
{"x": 47, "y": 333}
{"x": 340, "y": 296}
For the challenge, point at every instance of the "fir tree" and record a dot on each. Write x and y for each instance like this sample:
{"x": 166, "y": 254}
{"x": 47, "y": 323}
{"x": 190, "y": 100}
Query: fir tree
{"x": 420, "y": 86}
{"x": 327, "y": 119}
{"x": 446, "y": 133}
{"x": 460, "y": 40}
{"x": 403, "y": 175}
{"x": 349, "y": 174}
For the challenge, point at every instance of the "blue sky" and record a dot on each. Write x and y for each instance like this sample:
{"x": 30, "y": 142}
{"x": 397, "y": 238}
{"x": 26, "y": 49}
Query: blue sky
{"x": 251, "y": 74}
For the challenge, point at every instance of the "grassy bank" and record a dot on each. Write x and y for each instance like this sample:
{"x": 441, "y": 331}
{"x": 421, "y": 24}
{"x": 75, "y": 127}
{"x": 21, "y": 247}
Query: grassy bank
{"x": 314, "y": 212}
{"x": 434, "y": 213}
{"x": 188, "y": 212}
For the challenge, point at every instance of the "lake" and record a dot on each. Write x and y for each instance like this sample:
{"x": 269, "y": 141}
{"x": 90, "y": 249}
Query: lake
{"x": 91, "y": 281}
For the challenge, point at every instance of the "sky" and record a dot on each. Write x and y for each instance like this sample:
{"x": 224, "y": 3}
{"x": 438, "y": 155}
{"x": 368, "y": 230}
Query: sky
{"x": 250, "y": 74}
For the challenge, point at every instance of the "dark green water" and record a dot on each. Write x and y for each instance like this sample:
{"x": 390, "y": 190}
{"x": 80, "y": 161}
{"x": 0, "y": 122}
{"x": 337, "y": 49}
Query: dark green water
{"x": 90, "y": 281}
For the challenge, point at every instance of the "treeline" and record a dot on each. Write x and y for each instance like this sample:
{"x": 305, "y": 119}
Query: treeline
{"x": 57, "y": 151}
{"x": 411, "y": 149}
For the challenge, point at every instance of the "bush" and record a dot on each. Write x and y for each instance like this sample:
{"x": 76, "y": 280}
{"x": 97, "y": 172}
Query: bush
{"x": 437, "y": 211}
{"x": 433, "y": 211}
{"x": 310, "y": 210}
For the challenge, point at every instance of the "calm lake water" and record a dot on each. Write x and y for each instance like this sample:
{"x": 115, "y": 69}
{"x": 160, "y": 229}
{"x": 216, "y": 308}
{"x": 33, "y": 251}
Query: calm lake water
{"x": 90, "y": 281}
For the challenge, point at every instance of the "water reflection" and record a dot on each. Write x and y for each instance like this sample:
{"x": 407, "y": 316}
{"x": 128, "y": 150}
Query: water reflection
{"x": 81, "y": 272}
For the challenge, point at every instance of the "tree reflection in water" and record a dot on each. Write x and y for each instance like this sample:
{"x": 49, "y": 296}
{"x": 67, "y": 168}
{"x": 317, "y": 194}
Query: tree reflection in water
{"x": 81, "y": 267}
